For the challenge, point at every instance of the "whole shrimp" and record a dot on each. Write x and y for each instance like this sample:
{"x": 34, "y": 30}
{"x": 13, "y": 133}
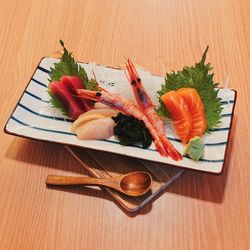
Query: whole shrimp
{"x": 119, "y": 103}
{"x": 146, "y": 106}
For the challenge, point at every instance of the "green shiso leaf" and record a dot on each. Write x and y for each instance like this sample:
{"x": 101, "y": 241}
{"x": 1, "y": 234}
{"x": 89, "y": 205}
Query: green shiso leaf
{"x": 199, "y": 78}
{"x": 67, "y": 66}
{"x": 55, "y": 103}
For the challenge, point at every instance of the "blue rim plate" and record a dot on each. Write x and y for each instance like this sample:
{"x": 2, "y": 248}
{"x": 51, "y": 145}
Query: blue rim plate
{"x": 34, "y": 118}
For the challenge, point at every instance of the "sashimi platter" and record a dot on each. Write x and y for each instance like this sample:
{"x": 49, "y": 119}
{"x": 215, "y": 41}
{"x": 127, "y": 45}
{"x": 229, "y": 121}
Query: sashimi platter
{"x": 183, "y": 119}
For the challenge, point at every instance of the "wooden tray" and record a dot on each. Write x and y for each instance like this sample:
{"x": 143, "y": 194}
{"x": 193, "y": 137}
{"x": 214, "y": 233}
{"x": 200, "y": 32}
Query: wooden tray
{"x": 101, "y": 164}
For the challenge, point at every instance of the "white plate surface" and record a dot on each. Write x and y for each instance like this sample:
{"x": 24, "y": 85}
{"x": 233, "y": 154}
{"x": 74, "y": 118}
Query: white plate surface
{"x": 34, "y": 118}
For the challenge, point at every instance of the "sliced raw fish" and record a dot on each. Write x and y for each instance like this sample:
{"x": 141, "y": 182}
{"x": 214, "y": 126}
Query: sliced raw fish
{"x": 102, "y": 128}
{"x": 81, "y": 120}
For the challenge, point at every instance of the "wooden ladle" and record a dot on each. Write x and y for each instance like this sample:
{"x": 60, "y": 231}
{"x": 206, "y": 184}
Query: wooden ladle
{"x": 132, "y": 184}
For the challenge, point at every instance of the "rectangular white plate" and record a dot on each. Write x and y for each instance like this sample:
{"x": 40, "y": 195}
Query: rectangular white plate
{"x": 34, "y": 118}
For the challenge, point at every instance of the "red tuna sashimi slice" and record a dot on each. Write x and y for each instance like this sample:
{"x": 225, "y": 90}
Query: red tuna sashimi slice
{"x": 66, "y": 98}
{"x": 73, "y": 83}
{"x": 179, "y": 113}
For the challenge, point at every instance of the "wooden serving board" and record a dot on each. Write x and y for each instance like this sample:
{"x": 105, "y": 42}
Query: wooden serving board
{"x": 105, "y": 165}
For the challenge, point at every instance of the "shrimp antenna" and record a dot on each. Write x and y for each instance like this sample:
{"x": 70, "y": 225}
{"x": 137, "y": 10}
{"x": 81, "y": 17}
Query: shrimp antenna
{"x": 126, "y": 74}
{"x": 93, "y": 72}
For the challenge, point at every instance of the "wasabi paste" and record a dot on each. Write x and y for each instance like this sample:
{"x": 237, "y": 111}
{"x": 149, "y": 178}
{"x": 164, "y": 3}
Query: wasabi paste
{"x": 195, "y": 148}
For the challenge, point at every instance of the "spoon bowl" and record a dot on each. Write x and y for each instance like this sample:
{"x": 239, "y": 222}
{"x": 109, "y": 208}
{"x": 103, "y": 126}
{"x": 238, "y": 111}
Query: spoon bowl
{"x": 136, "y": 183}
{"x": 132, "y": 184}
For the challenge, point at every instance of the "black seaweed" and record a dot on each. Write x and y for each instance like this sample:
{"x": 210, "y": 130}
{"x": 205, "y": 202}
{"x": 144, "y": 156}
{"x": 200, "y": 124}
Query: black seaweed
{"x": 131, "y": 131}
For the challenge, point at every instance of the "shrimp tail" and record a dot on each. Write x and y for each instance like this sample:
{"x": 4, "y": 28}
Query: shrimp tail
{"x": 171, "y": 150}
{"x": 165, "y": 148}
{"x": 161, "y": 149}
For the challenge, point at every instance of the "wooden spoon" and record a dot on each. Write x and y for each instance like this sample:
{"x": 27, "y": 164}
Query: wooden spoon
{"x": 132, "y": 184}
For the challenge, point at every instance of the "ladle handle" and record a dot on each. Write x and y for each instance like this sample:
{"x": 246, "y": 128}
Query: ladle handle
{"x": 75, "y": 180}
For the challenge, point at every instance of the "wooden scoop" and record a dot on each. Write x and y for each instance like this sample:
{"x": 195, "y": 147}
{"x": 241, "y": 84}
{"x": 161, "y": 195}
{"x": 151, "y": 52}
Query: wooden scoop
{"x": 132, "y": 184}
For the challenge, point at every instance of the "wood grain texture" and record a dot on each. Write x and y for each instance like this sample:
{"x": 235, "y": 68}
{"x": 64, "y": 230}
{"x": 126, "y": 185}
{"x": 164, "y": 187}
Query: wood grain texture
{"x": 107, "y": 165}
{"x": 199, "y": 211}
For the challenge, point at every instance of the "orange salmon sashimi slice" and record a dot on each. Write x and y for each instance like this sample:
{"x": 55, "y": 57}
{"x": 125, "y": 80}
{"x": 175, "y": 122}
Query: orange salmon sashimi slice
{"x": 196, "y": 109}
{"x": 180, "y": 114}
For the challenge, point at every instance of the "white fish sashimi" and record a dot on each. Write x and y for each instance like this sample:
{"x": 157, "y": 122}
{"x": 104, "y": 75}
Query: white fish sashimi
{"x": 102, "y": 128}
{"x": 81, "y": 120}
{"x": 105, "y": 111}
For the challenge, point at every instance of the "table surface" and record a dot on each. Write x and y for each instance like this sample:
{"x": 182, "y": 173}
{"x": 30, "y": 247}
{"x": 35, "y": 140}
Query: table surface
{"x": 199, "y": 211}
